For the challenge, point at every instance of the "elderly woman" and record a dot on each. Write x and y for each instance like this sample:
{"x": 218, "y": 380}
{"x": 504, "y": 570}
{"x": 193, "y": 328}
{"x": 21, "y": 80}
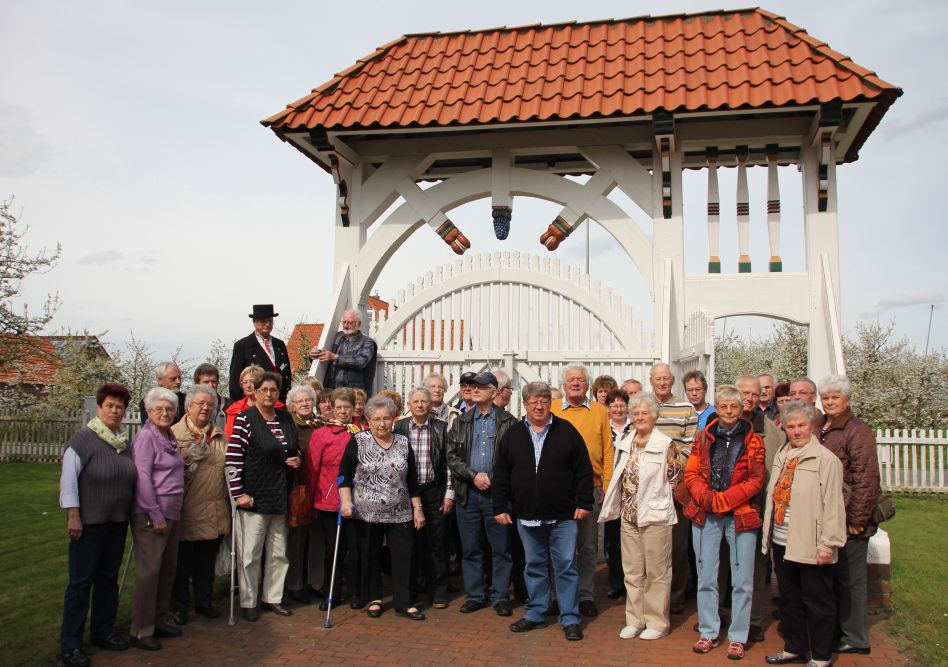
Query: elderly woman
{"x": 617, "y": 403}
{"x": 640, "y": 497}
{"x": 438, "y": 386}
{"x": 159, "y": 492}
{"x": 205, "y": 514}
{"x": 380, "y": 487}
{"x": 781, "y": 398}
{"x": 358, "y": 413}
{"x": 724, "y": 473}
{"x": 601, "y": 387}
{"x": 322, "y": 473}
{"x": 304, "y": 544}
{"x": 96, "y": 489}
{"x": 260, "y": 455}
{"x": 324, "y": 403}
{"x": 247, "y": 378}
{"x": 853, "y": 442}
{"x": 804, "y": 526}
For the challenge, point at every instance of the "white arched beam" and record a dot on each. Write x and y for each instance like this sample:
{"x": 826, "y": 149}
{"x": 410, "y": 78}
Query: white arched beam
{"x": 783, "y": 296}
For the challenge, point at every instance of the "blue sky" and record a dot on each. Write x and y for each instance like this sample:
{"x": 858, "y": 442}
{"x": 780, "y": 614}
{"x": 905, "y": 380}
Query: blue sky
{"x": 129, "y": 131}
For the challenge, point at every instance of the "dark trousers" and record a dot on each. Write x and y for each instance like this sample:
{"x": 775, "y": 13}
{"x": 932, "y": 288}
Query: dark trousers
{"x": 807, "y": 606}
{"x": 430, "y": 557}
{"x": 612, "y": 547}
{"x": 518, "y": 562}
{"x": 94, "y": 562}
{"x": 347, "y": 559}
{"x": 852, "y": 596}
{"x": 681, "y": 562}
{"x": 400, "y": 538}
{"x": 196, "y": 561}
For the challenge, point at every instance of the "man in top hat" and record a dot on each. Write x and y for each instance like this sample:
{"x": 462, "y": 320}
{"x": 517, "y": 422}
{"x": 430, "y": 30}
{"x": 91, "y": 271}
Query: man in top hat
{"x": 262, "y": 349}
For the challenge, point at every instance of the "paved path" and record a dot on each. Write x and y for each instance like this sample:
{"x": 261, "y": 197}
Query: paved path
{"x": 448, "y": 638}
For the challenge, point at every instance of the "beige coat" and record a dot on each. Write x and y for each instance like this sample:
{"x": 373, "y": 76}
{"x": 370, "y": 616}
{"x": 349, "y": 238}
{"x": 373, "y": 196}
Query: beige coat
{"x": 654, "y": 497}
{"x": 817, "y": 511}
{"x": 205, "y": 513}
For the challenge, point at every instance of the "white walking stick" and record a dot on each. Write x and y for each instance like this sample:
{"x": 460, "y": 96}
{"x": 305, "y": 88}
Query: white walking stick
{"x": 335, "y": 557}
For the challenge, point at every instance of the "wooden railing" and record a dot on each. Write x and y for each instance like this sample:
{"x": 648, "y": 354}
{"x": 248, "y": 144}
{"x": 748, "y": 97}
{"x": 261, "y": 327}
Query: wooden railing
{"x": 24, "y": 438}
{"x": 912, "y": 460}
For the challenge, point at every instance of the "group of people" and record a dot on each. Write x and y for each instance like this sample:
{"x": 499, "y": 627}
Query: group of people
{"x": 693, "y": 497}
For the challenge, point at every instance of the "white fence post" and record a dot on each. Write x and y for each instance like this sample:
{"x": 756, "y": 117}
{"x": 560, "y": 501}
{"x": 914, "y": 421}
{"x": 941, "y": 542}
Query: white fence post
{"x": 912, "y": 461}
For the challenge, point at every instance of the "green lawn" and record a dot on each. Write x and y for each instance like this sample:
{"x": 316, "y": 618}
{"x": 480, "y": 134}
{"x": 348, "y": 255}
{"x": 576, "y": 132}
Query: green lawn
{"x": 919, "y": 534}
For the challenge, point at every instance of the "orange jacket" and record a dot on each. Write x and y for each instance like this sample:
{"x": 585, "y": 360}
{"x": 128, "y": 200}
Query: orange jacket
{"x": 746, "y": 482}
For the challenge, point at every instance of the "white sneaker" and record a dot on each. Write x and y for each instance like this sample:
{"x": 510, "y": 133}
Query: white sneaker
{"x": 648, "y": 634}
{"x": 628, "y": 632}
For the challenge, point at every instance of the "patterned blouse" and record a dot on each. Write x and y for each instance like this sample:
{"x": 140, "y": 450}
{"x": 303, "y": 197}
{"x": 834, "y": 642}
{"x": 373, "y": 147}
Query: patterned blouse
{"x": 629, "y": 509}
{"x": 383, "y": 481}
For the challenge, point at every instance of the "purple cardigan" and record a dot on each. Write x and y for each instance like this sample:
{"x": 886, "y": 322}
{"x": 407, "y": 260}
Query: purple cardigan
{"x": 160, "y": 487}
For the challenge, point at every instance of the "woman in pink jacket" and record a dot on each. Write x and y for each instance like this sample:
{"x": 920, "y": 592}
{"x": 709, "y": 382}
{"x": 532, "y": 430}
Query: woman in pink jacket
{"x": 326, "y": 447}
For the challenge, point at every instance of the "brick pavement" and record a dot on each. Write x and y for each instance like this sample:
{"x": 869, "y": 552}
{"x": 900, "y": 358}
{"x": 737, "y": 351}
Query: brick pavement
{"x": 449, "y": 638}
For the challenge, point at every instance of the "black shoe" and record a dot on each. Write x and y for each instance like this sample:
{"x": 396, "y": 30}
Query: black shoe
{"x": 574, "y": 633}
{"x": 755, "y": 634}
{"x": 677, "y": 608}
{"x": 210, "y": 611}
{"x": 167, "y": 632}
{"x": 357, "y": 603}
{"x": 179, "y": 617}
{"x": 375, "y": 609}
{"x": 317, "y": 593}
{"x": 588, "y": 608}
{"x": 409, "y": 614}
{"x": 776, "y": 614}
{"x": 145, "y": 643}
{"x": 503, "y": 608}
{"x": 112, "y": 642}
{"x": 526, "y": 625}
{"x": 251, "y": 614}
{"x": 783, "y": 658}
{"x": 276, "y": 608}
{"x": 849, "y": 648}
{"x": 616, "y": 594}
{"x": 300, "y": 596}
{"x": 324, "y": 605}
{"x": 553, "y": 609}
{"x": 75, "y": 657}
{"x": 470, "y": 606}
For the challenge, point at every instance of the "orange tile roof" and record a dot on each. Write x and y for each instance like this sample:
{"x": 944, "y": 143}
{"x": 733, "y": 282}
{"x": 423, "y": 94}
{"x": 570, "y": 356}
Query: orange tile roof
{"x": 718, "y": 60}
{"x": 42, "y": 358}
{"x": 302, "y": 339}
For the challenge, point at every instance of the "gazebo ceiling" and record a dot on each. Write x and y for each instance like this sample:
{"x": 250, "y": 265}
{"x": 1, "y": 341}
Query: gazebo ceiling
{"x": 717, "y": 61}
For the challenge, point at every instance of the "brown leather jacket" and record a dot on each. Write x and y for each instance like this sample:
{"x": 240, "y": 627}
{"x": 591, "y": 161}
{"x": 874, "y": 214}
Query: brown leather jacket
{"x": 854, "y": 443}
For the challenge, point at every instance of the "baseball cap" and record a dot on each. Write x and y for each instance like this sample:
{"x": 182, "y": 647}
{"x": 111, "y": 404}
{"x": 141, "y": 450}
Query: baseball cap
{"x": 484, "y": 379}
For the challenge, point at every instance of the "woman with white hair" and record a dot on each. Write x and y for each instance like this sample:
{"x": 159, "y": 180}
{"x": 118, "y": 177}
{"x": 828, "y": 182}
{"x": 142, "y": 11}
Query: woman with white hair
{"x": 159, "y": 492}
{"x": 205, "y": 512}
{"x": 380, "y": 487}
{"x": 640, "y": 496}
{"x": 853, "y": 442}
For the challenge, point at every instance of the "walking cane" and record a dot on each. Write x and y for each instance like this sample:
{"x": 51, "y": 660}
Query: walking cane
{"x": 230, "y": 474}
{"x": 335, "y": 557}
{"x": 128, "y": 561}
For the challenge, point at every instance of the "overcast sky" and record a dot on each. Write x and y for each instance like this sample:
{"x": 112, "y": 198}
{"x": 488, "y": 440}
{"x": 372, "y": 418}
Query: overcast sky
{"x": 129, "y": 132}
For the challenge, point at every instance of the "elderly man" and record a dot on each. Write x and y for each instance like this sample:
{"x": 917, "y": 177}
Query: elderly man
{"x": 352, "y": 356}
{"x": 168, "y": 375}
{"x": 803, "y": 389}
{"x": 592, "y": 421}
{"x": 466, "y": 389}
{"x": 438, "y": 386}
{"x": 472, "y": 450}
{"x": 696, "y": 389}
{"x": 678, "y": 420}
{"x": 631, "y": 387}
{"x": 549, "y": 501}
{"x": 767, "y": 403}
{"x": 504, "y": 389}
{"x": 261, "y": 349}
{"x": 427, "y": 436}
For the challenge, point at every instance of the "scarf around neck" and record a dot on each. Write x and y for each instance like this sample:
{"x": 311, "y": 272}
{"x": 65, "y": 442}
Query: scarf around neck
{"x": 200, "y": 447}
{"x": 118, "y": 441}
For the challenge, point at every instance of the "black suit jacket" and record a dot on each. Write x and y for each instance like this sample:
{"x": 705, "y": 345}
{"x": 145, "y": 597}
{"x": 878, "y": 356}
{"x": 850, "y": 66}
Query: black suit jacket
{"x": 247, "y": 351}
{"x": 437, "y": 437}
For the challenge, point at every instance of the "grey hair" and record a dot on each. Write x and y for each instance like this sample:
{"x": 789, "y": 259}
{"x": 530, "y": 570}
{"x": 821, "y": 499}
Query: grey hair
{"x": 161, "y": 370}
{"x": 838, "y": 383}
{"x": 156, "y": 394}
{"x": 435, "y": 376}
{"x": 773, "y": 378}
{"x": 541, "y": 389}
{"x": 574, "y": 367}
{"x": 797, "y": 409}
{"x": 196, "y": 389}
{"x": 301, "y": 389}
{"x": 807, "y": 380}
{"x": 503, "y": 379}
{"x": 647, "y": 399}
{"x": 728, "y": 392}
{"x": 377, "y": 403}
{"x": 651, "y": 371}
{"x": 420, "y": 390}
{"x": 748, "y": 378}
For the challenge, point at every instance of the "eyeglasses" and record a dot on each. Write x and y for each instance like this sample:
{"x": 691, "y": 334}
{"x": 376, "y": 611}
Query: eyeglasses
{"x": 163, "y": 411}
{"x": 538, "y": 402}
{"x": 350, "y": 321}
{"x": 268, "y": 390}
{"x": 381, "y": 420}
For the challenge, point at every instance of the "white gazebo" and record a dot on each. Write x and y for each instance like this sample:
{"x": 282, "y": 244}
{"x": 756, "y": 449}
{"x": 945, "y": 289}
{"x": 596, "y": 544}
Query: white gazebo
{"x": 508, "y": 112}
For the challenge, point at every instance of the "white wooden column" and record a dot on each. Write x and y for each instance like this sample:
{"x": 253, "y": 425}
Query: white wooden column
{"x": 714, "y": 213}
{"x": 773, "y": 209}
{"x": 743, "y": 212}
{"x": 668, "y": 252}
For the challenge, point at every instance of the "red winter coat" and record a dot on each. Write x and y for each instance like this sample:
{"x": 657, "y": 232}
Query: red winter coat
{"x": 326, "y": 447}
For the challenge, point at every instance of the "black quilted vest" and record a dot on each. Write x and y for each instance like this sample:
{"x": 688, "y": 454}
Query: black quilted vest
{"x": 265, "y": 471}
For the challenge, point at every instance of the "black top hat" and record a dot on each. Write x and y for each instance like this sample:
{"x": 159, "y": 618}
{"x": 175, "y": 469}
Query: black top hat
{"x": 263, "y": 310}
{"x": 485, "y": 378}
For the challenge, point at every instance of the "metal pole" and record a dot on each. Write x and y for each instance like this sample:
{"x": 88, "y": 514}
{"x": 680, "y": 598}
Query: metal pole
{"x": 335, "y": 557}
{"x": 928, "y": 337}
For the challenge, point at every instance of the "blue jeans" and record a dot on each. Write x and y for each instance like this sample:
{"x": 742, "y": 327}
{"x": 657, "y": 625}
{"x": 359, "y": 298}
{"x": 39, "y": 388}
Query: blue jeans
{"x": 554, "y": 542}
{"x": 94, "y": 562}
{"x": 707, "y": 545}
{"x": 475, "y": 519}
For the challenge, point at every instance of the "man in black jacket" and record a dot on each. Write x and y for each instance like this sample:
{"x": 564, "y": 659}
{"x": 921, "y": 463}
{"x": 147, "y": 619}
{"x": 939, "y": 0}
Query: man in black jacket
{"x": 427, "y": 436}
{"x": 262, "y": 349}
{"x": 542, "y": 467}
{"x": 472, "y": 449}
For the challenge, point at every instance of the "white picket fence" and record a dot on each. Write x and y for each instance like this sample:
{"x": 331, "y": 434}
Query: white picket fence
{"x": 912, "y": 460}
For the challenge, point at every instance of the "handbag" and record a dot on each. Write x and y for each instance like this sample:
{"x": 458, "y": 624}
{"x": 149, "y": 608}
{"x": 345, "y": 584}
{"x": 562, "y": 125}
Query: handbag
{"x": 885, "y": 509}
{"x": 300, "y": 507}
{"x": 222, "y": 562}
